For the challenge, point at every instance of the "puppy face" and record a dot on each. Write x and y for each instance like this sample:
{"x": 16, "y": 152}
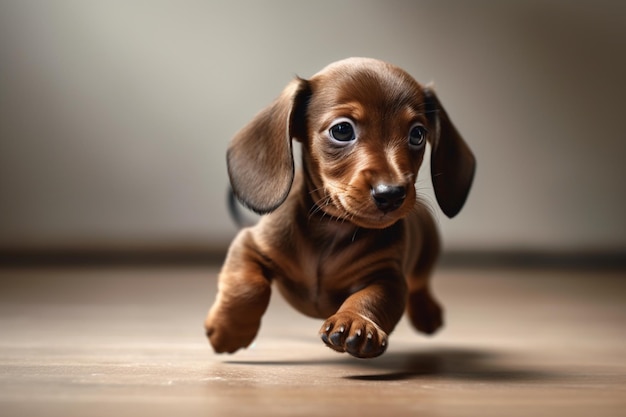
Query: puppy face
{"x": 364, "y": 125}
{"x": 367, "y": 127}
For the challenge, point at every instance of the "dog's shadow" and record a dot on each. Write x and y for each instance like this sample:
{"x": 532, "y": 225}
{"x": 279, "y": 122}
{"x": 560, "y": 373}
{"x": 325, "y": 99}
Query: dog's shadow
{"x": 450, "y": 363}
{"x": 442, "y": 363}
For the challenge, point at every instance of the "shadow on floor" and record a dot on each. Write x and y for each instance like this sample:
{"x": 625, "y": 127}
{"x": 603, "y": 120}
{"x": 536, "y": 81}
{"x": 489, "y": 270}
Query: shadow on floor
{"x": 445, "y": 363}
{"x": 450, "y": 363}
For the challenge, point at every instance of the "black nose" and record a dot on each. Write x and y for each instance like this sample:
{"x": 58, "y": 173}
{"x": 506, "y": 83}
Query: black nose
{"x": 388, "y": 197}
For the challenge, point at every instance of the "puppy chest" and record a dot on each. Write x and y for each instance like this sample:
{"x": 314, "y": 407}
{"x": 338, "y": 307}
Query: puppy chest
{"x": 316, "y": 281}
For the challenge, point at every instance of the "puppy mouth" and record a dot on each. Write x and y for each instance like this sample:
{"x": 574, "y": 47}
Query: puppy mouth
{"x": 366, "y": 213}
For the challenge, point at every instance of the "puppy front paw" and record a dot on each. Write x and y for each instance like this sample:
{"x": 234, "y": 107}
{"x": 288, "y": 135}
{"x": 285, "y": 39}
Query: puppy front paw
{"x": 228, "y": 337}
{"x": 355, "y": 334}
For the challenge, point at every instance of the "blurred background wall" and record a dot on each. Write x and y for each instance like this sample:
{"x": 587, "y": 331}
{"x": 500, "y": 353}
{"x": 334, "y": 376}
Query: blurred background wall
{"x": 115, "y": 115}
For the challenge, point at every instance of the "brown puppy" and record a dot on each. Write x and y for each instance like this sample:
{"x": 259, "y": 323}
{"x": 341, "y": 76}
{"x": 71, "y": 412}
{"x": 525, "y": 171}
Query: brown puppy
{"x": 346, "y": 240}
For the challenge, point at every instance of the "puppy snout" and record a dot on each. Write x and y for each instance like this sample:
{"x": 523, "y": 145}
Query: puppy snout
{"x": 388, "y": 197}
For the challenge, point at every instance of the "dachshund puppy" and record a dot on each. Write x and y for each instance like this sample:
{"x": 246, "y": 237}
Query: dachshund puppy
{"x": 346, "y": 239}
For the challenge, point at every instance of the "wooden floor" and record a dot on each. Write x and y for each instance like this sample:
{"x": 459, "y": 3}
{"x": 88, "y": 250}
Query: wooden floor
{"x": 130, "y": 342}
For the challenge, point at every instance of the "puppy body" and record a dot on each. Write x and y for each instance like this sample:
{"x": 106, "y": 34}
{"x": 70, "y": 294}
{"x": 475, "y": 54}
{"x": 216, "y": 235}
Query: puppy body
{"x": 346, "y": 239}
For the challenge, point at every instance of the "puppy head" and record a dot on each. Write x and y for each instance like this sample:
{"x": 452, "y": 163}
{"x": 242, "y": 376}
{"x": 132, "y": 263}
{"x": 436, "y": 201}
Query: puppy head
{"x": 363, "y": 125}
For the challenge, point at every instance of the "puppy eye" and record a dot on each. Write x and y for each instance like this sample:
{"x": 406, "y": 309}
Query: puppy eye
{"x": 343, "y": 131}
{"x": 417, "y": 136}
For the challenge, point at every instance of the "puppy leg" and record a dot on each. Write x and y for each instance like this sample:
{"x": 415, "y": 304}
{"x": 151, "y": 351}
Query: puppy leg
{"x": 243, "y": 296}
{"x": 425, "y": 313}
{"x": 363, "y": 322}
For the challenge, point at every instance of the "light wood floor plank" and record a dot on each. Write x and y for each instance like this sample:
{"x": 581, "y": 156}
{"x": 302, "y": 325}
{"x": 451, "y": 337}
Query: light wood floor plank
{"x": 129, "y": 342}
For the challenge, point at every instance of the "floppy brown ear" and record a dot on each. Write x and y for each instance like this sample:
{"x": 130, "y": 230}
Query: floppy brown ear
{"x": 260, "y": 157}
{"x": 452, "y": 164}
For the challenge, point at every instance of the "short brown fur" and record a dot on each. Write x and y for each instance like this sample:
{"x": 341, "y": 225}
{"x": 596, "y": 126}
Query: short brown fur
{"x": 331, "y": 241}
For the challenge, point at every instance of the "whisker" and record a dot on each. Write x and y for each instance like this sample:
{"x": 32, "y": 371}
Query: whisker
{"x": 318, "y": 206}
{"x": 427, "y": 202}
{"x": 315, "y": 190}
{"x": 356, "y": 229}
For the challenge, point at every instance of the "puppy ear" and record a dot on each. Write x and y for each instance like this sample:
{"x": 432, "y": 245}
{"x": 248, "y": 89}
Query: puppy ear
{"x": 452, "y": 163}
{"x": 260, "y": 157}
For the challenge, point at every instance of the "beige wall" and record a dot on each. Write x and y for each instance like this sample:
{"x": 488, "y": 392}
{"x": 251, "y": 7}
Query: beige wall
{"x": 115, "y": 115}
